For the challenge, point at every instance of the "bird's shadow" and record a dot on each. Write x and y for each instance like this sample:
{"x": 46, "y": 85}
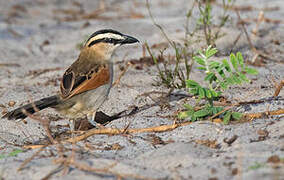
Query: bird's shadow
{"x": 104, "y": 119}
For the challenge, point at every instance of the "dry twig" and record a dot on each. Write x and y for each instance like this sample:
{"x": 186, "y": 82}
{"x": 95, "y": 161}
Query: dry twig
{"x": 106, "y": 170}
{"x": 251, "y": 116}
{"x": 121, "y": 74}
{"x": 278, "y": 88}
{"x": 31, "y": 158}
{"x": 112, "y": 131}
{"x": 257, "y": 52}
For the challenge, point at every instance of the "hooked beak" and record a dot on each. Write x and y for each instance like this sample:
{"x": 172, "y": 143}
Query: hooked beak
{"x": 129, "y": 40}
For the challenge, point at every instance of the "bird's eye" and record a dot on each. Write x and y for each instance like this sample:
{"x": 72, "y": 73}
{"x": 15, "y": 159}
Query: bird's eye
{"x": 109, "y": 40}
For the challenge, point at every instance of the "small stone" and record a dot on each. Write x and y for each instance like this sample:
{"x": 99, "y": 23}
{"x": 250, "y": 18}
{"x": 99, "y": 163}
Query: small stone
{"x": 235, "y": 171}
{"x": 263, "y": 133}
{"x": 273, "y": 159}
{"x": 12, "y": 103}
{"x": 213, "y": 178}
{"x": 213, "y": 171}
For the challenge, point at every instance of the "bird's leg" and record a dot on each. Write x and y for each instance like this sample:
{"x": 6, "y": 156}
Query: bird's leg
{"x": 91, "y": 118}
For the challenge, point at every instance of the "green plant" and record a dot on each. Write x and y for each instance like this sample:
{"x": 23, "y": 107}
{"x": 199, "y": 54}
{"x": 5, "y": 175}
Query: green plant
{"x": 257, "y": 165}
{"x": 174, "y": 72}
{"x": 11, "y": 154}
{"x": 205, "y": 20}
{"x": 172, "y": 77}
{"x": 218, "y": 76}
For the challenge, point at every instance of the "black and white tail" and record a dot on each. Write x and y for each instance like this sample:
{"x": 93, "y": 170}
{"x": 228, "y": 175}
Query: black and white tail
{"x": 21, "y": 112}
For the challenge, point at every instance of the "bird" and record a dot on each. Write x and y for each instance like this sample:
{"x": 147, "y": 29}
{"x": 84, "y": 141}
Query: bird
{"x": 85, "y": 85}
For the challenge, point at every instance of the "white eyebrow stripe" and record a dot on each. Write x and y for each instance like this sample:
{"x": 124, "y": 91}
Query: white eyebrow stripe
{"x": 107, "y": 35}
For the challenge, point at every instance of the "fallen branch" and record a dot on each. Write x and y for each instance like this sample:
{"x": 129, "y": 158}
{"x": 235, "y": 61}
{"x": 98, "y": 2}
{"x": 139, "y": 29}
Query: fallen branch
{"x": 112, "y": 131}
{"x": 163, "y": 128}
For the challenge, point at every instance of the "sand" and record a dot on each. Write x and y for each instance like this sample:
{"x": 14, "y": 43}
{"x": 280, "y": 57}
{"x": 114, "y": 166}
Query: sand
{"x": 39, "y": 40}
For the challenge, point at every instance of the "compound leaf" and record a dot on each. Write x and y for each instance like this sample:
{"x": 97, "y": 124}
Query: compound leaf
{"x": 237, "y": 115}
{"x": 227, "y": 117}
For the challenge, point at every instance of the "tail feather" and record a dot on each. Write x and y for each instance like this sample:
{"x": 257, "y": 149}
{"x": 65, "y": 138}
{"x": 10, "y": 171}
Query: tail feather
{"x": 32, "y": 107}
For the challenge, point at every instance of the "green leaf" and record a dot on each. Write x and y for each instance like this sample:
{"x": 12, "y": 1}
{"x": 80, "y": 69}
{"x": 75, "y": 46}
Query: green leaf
{"x": 240, "y": 59}
{"x": 216, "y": 110}
{"x": 155, "y": 60}
{"x": 214, "y": 93}
{"x": 226, "y": 65}
{"x": 201, "y": 68}
{"x": 2, "y": 156}
{"x": 193, "y": 118}
{"x": 237, "y": 115}
{"x": 234, "y": 61}
{"x": 227, "y": 117}
{"x": 223, "y": 85}
{"x": 220, "y": 71}
{"x": 182, "y": 115}
{"x": 209, "y": 77}
{"x": 191, "y": 83}
{"x": 210, "y": 52}
{"x": 201, "y": 113}
{"x": 230, "y": 80}
{"x": 251, "y": 71}
{"x": 243, "y": 77}
{"x": 200, "y": 53}
{"x": 208, "y": 93}
{"x": 214, "y": 64}
{"x": 187, "y": 106}
{"x": 15, "y": 152}
{"x": 236, "y": 79}
{"x": 256, "y": 166}
{"x": 193, "y": 91}
{"x": 199, "y": 60}
{"x": 201, "y": 92}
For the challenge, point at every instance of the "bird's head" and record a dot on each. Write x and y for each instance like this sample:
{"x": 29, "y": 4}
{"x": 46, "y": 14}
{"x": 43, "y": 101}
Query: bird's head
{"x": 106, "y": 41}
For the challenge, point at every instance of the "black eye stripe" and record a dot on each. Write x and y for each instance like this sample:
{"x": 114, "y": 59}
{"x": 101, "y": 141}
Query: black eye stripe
{"x": 106, "y": 40}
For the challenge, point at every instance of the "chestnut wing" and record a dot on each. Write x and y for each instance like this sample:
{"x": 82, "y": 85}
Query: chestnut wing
{"x": 75, "y": 82}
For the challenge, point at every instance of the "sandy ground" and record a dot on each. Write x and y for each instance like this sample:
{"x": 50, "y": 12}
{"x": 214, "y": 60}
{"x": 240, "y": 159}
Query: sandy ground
{"x": 36, "y": 35}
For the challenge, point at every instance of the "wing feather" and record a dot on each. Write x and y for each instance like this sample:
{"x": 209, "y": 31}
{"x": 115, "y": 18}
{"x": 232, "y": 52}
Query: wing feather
{"x": 75, "y": 82}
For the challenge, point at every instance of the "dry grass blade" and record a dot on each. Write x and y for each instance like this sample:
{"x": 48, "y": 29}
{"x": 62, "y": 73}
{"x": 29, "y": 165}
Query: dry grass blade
{"x": 278, "y": 88}
{"x": 221, "y": 112}
{"x": 52, "y": 172}
{"x": 31, "y": 158}
{"x": 9, "y": 65}
{"x": 157, "y": 25}
{"x": 251, "y": 116}
{"x": 106, "y": 170}
{"x": 84, "y": 167}
{"x": 45, "y": 123}
{"x": 36, "y": 73}
{"x": 121, "y": 74}
{"x": 257, "y": 52}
